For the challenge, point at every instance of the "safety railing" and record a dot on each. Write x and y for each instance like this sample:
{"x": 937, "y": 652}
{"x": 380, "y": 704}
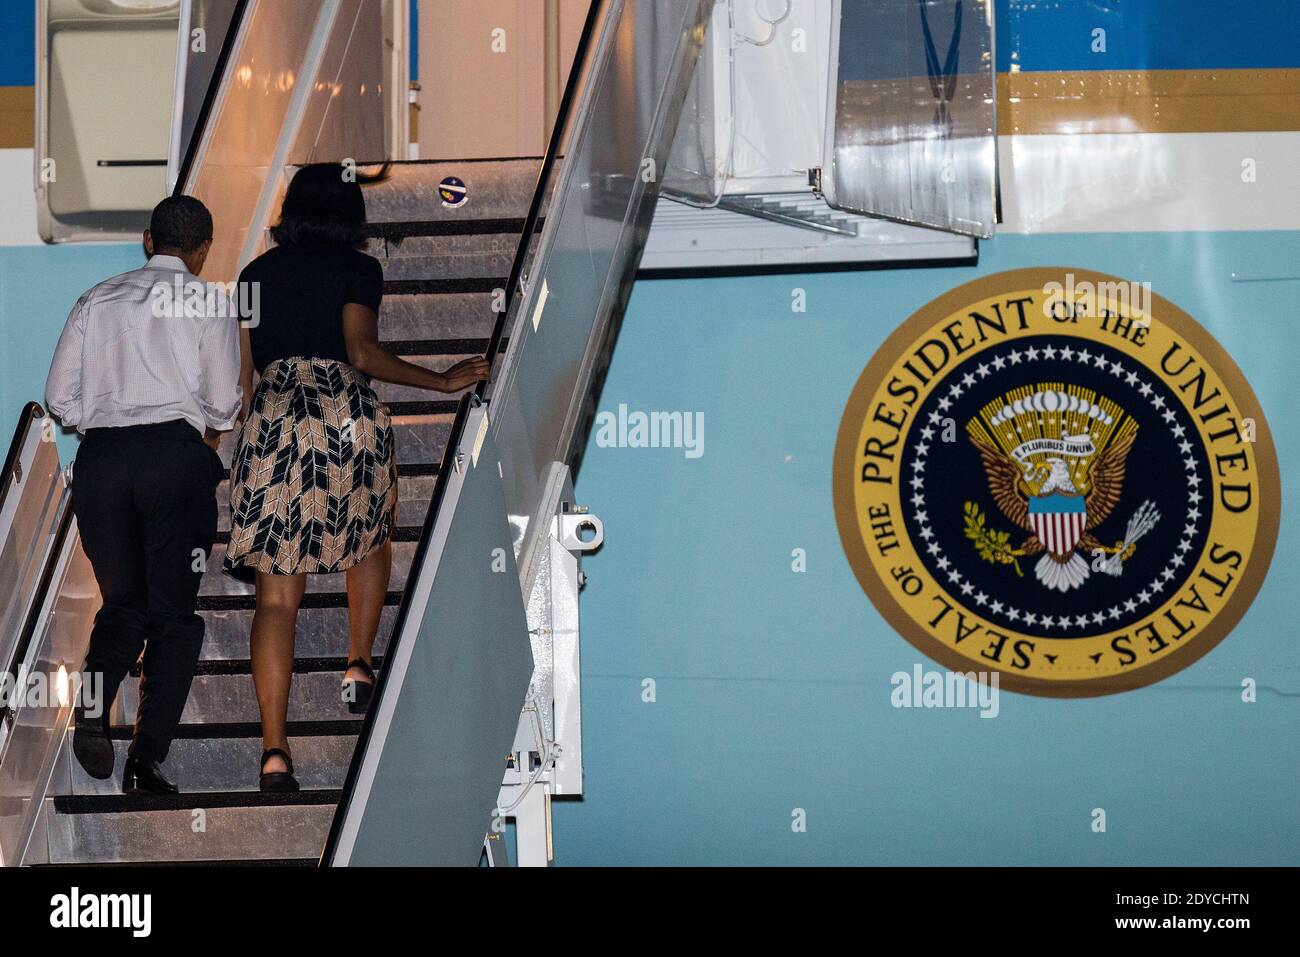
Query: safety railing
{"x": 196, "y": 84}
{"x": 457, "y": 667}
{"x": 405, "y": 619}
{"x": 297, "y": 82}
{"x": 424, "y": 777}
{"x": 47, "y": 604}
{"x": 29, "y": 500}
{"x": 28, "y": 506}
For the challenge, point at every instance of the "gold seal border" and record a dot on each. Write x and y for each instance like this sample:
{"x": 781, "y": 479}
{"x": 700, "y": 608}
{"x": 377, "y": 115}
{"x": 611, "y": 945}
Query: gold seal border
{"x": 855, "y": 411}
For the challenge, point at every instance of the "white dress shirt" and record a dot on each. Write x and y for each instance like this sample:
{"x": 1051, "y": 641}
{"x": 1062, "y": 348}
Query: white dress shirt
{"x": 151, "y": 345}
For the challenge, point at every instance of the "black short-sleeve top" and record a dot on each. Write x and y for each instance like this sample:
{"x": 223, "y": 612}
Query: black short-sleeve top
{"x": 301, "y": 292}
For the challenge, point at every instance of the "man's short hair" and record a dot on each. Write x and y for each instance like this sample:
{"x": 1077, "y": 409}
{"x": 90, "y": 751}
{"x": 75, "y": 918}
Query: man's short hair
{"x": 181, "y": 223}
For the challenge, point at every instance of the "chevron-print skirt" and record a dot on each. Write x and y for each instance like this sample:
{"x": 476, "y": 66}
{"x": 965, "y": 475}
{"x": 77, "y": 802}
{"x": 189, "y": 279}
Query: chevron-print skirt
{"x": 314, "y": 480}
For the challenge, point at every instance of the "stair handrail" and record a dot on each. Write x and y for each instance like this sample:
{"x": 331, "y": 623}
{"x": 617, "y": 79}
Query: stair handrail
{"x": 52, "y": 539}
{"x": 12, "y": 668}
{"x": 30, "y": 415}
{"x": 32, "y": 412}
{"x": 228, "y": 44}
{"x": 582, "y": 55}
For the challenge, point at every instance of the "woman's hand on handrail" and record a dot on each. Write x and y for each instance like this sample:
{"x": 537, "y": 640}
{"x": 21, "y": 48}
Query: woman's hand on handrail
{"x": 367, "y": 355}
{"x": 465, "y": 373}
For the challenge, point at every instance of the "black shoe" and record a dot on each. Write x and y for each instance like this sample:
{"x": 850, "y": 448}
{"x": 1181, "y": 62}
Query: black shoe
{"x": 277, "y": 780}
{"x": 145, "y": 777}
{"x": 358, "y": 693}
{"x": 91, "y": 744}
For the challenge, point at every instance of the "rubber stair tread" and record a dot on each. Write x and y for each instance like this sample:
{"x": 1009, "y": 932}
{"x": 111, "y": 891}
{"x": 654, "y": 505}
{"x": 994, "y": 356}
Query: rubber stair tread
{"x": 423, "y": 407}
{"x": 134, "y": 803}
{"x": 317, "y": 599}
{"x": 424, "y": 287}
{"x": 243, "y": 666}
{"x": 199, "y": 731}
{"x": 399, "y": 229}
{"x": 440, "y": 347}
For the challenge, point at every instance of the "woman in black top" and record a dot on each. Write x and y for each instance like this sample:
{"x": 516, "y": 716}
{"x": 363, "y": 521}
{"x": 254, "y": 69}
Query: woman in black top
{"x": 314, "y": 480}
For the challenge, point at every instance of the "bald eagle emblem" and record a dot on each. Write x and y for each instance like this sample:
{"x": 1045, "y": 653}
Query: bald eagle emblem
{"x": 1054, "y": 457}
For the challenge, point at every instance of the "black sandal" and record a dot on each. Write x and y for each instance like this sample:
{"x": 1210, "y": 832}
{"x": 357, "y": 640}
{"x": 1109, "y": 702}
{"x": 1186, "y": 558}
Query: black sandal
{"x": 357, "y": 693}
{"x": 277, "y": 780}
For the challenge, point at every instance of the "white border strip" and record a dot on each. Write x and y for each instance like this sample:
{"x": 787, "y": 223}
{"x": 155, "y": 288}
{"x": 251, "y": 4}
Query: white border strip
{"x": 178, "y": 94}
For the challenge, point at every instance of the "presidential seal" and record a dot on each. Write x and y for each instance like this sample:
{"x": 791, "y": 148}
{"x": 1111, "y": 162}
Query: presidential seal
{"x": 1057, "y": 475}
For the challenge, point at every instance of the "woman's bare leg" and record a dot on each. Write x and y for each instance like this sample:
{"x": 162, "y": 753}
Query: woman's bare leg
{"x": 367, "y": 586}
{"x": 271, "y": 650}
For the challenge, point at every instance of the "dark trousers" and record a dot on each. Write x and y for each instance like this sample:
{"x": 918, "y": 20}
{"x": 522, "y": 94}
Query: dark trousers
{"x": 145, "y": 501}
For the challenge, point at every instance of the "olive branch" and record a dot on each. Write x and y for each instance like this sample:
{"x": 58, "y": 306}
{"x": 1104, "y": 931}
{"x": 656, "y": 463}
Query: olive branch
{"x": 992, "y": 545}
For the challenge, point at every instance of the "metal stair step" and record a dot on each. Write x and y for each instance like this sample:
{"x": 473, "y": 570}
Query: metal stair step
{"x": 230, "y": 763}
{"x": 413, "y": 496}
{"x": 442, "y": 257}
{"x": 232, "y": 825}
{"x": 222, "y": 699}
{"x": 321, "y": 632}
{"x": 466, "y": 315}
{"x": 420, "y": 437}
{"x": 216, "y": 582}
{"x": 453, "y": 272}
{"x": 495, "y": 189}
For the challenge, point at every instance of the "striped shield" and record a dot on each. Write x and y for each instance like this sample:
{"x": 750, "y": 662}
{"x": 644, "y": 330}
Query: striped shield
{"x": 1058, "y": 521}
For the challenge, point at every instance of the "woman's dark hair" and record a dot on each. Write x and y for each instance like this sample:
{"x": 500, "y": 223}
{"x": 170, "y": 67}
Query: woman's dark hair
{"x": 324, "y": 206}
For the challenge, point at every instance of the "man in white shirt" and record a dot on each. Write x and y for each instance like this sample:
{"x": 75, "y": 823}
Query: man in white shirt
{"x": 147, "y": 369}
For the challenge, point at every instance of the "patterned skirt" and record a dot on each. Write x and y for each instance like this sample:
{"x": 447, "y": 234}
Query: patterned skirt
{"x": 313, "y": 485}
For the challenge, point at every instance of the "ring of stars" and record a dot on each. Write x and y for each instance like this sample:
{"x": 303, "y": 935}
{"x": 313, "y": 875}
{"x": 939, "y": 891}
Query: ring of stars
{"x": 1029, "y": 618}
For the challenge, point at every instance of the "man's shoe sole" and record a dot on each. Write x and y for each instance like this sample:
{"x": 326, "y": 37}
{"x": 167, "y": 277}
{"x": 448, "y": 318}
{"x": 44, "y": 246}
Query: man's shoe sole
{"x": 94, "y": 752}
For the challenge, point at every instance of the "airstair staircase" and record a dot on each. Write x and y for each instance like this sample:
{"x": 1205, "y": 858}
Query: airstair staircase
{"x": 441, "y": 269}
{"x": 476, "y": 719}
